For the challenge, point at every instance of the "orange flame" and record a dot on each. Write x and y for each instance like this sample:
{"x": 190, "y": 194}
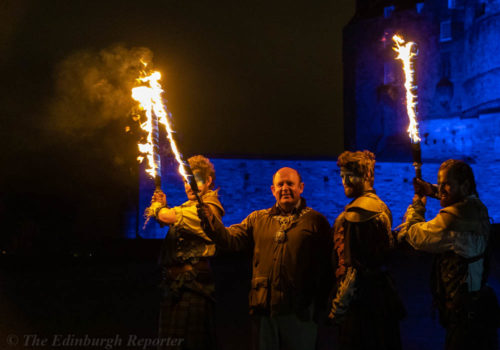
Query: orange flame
{"x": 405, "y": 54}
{"x": 149, "y": 98}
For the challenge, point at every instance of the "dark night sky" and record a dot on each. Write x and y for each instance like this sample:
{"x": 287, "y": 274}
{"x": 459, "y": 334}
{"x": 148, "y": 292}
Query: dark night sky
{"x": 242, "y": 79}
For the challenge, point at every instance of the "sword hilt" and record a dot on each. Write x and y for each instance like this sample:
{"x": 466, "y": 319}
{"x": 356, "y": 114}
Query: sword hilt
{"x": 417, "y": 159}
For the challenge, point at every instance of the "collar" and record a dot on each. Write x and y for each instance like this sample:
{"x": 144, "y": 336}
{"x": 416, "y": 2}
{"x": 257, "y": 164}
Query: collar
{"x": 363, "y": 194}
{"x": 207, "y": 195}
{"x": 276, "y": 209}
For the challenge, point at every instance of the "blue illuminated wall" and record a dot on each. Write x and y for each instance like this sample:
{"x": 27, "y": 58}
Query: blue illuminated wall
{"x": 245, "y": 186}
{"x": 458, "y": 77}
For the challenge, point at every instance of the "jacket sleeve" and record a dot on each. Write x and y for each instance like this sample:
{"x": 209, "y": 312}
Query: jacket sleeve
{"x": 440, "y": 234}
{"x": 237, "y": 237}
{"x": 347, "y": 281}
{"x": 187, "y": 217}
{"x": 345, "y": 294}
{"x": 433, "y": 236}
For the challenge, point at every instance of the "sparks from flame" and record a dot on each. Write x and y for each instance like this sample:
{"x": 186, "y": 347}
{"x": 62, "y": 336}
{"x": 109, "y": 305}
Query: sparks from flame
{"x": 405, "y": 54}
{"x": 149, "y": 98}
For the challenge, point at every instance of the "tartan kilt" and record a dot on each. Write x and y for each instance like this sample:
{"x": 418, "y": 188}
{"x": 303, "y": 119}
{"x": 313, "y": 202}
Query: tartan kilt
{"x": 188, "y": 316}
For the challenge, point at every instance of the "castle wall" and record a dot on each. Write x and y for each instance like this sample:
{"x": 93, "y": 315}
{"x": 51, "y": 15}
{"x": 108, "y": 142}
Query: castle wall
{"x": 474, "y": 139}
{"x": 482, "y": 64}
{"x": 245, "y": 187}
{"x": 375, "y": 111}
{"x": 458, "y": 81}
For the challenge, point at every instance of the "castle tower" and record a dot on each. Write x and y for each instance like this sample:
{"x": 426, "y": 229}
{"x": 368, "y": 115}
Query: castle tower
{"x": 458, "y": 74}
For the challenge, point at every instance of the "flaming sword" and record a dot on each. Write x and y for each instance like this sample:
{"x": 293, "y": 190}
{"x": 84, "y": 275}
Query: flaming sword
{"x": 407, "y": 52}
{"x": 150, "y": 100}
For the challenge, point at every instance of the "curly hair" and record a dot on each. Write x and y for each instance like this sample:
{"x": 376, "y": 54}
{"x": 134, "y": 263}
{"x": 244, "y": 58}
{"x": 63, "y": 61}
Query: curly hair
{"x": 204, "y": 167}
{"x": 460, "y": 171}
{"x": 362, "y": 163}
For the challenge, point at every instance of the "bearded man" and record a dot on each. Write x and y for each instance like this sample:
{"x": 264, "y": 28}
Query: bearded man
{"x": 366, "y": 306}
{"x": 459, "y": 237}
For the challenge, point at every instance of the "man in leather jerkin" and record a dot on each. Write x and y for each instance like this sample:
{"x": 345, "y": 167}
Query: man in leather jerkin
{"x": 365, "y": 305}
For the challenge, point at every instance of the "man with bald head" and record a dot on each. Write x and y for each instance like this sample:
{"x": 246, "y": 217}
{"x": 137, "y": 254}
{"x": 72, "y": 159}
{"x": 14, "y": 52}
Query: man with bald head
{"x": 291, "y": 252}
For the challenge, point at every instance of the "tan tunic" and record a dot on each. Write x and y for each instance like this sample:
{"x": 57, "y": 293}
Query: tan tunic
{"x": 462, "y": 228}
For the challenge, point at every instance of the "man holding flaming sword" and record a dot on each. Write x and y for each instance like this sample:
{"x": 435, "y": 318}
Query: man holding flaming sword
{"x": 187, "y": 308}
{"x": 459, "y": 236}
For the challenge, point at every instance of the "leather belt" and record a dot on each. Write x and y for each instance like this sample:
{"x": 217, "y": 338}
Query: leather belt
{"x": 202, "y": 265}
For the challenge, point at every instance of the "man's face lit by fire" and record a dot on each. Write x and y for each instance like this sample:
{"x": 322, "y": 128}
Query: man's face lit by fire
{"x": 203, "y": 186}
{"x": 352, "y": 182}
{"x": 287, "y": 188}
{"x": 450, "y": 190}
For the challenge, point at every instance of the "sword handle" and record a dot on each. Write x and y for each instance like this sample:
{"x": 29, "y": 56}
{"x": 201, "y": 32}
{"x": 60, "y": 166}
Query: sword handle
{"x": 418, "y": 170}
{"x": 417, "y": 159}
{"x": 158, "y": 183}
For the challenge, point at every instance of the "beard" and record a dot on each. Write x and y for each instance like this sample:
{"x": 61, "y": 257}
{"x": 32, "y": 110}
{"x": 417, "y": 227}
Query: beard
{"x": 352, "y": 191}
{"x": 348, "y": 192}
{"x": 446, "y": 201}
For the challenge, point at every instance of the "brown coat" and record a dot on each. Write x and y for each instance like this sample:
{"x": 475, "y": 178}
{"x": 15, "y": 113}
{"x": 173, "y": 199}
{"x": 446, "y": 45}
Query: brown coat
{"x": 290, "y": 273}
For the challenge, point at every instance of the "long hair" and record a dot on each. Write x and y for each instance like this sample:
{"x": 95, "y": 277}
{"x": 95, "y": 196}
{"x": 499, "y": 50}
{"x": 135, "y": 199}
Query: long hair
{"x": 460, "y": 171}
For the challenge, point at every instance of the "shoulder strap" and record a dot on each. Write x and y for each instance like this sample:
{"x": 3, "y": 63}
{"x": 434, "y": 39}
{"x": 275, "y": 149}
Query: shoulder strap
{"x": 365, "y": 208}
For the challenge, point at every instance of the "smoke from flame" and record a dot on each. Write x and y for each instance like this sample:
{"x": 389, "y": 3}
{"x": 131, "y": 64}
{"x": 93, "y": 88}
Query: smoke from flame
{"x": 406, "y": 55}
{"x": 92, "y": 90}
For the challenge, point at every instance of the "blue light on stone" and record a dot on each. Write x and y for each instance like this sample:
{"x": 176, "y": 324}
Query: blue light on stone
{"x": 244, "y": 186}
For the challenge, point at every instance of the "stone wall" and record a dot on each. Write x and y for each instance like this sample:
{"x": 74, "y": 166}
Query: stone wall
{"x": 474, "y": 139}
{"x": 245, "y": 186}
{"x": 458, "y": 94}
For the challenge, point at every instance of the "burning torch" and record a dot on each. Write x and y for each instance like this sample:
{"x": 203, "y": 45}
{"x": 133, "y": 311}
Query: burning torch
{"x": 407, "y": 53}
{"x": 156, "y": 152}
{"x": 150, "y": 100}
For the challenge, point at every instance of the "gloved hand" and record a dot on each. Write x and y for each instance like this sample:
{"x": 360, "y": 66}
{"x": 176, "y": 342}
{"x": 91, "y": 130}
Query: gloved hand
{"x": 206, "y": 216}
{"x": 415, "y": 213}
{"x": 158, "y": 201}
{"x": 159, "y": 196}
{"x": 424, "y": 188}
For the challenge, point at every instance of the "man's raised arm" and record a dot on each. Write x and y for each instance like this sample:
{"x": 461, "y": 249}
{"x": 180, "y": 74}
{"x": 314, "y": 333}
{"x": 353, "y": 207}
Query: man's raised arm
{"x": 238, "y": 237}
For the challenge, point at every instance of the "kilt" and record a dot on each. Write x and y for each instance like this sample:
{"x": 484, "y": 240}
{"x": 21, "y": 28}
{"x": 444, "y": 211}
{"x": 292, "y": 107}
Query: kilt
{"x": 189, "y": 318}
